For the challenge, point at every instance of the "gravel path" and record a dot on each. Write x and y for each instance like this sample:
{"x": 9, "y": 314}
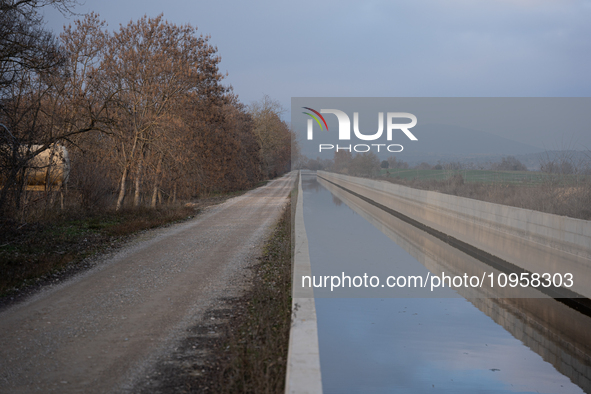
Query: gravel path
{"x": 103, "y": 330}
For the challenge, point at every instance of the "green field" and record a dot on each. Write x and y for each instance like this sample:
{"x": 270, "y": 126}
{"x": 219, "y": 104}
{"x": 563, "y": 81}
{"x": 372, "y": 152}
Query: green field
{"x": 483, "y": 176}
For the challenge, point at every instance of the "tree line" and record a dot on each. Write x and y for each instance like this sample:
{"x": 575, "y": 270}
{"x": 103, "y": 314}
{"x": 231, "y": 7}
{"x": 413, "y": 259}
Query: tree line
{"x": 142, "y": 111}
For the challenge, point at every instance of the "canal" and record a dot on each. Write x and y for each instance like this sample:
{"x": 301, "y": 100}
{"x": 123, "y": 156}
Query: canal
{"x": 394, "y": 340}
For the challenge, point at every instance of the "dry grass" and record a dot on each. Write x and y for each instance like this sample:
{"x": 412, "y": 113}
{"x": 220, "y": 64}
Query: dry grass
{"x": 31, "y": 251}
{"x": 257, "y": 348}
{"x": 550, "y": 197}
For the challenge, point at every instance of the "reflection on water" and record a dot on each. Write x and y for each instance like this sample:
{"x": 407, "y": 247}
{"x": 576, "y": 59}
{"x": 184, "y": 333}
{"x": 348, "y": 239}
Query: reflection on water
{"x": 336, "y": 201}
{"x": 417, "y": 345}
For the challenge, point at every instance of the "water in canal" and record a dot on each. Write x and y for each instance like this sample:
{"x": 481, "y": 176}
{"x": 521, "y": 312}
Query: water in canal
{"x": 385, "y": 342}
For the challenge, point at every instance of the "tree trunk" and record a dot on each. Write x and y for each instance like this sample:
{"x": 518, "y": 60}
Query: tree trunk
{"x": 156, "y": 182}
{"x": 121, "y": 190}
{"x": 138, "y": 177}
{"x": 124, "y": 175}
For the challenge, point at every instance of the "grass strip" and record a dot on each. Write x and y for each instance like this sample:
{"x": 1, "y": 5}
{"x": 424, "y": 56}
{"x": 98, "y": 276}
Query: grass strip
{"x": 35, "y": 252}
{"x": 256, "y": 356}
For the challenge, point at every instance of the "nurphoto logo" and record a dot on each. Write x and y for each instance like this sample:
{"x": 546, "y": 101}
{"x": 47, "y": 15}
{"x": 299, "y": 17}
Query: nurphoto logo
{"x": 345, "y": 129}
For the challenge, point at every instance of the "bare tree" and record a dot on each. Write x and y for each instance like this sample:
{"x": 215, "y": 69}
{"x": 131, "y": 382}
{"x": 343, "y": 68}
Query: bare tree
{"x": 154, "y": 64}
{"x": 44, "y": 101}
{"x": 509, "y": 163}
{"x": 342, "y": 161}
{"x": 365, "y": 164}
{"x": 144, "y": 104}
{"x": 393, "y": 163}
{"x": 274, "y": 136}
{"x": 24, "y": 44}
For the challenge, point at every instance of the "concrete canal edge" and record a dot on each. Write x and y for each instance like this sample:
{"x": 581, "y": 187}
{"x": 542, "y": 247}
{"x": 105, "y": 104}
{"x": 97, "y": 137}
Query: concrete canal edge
{"x": 303, "y": 359}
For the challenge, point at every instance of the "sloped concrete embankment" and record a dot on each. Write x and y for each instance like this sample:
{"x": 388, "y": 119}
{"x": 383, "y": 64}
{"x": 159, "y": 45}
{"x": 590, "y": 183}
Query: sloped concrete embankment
{"x": 535, "y": 241}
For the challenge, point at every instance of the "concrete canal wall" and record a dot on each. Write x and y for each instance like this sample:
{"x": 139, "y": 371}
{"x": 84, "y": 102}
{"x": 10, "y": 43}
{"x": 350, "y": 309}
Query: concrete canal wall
{"x": 535, "y": 241}
{"x": 558, "y": 333}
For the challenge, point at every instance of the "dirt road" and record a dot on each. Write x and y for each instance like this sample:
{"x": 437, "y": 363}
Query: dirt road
{"x": 101, "y": 331}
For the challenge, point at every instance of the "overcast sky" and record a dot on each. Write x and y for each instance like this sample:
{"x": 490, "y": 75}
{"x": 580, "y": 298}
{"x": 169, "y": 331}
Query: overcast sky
{"x": 418, "y": 48}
